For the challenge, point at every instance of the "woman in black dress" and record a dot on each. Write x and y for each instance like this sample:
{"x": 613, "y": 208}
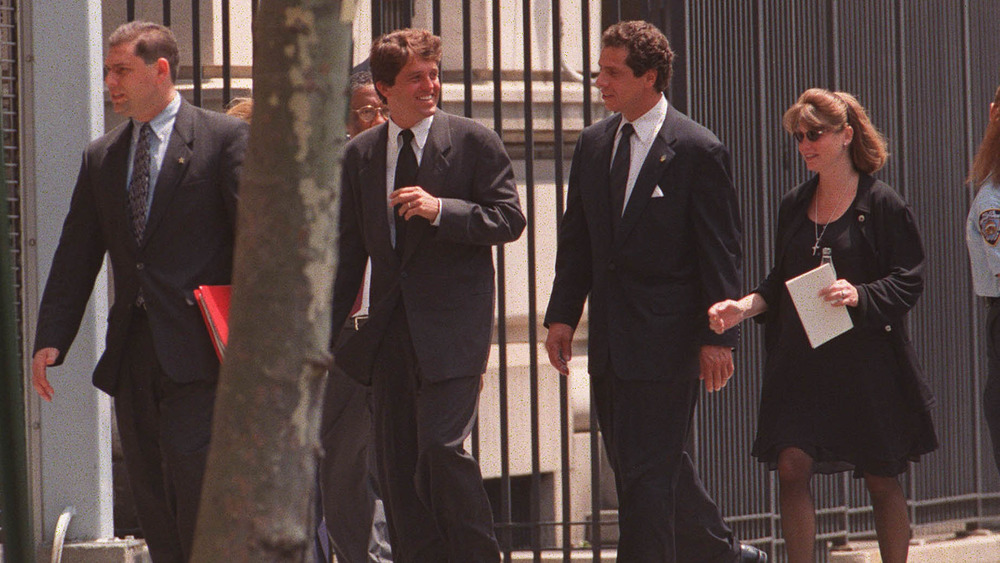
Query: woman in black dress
{"x": 856, "y": 403}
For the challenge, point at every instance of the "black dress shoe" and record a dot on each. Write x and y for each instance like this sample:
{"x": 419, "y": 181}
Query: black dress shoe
{"x": 750, "y": 554}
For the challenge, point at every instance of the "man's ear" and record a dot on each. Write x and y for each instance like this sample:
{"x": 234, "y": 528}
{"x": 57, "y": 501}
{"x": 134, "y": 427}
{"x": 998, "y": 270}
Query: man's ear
{"x": 163, "y": 68}
{"x": 382, "y": 88}
{"x": 994, "y": 112}
{"x": 650, "y": 77}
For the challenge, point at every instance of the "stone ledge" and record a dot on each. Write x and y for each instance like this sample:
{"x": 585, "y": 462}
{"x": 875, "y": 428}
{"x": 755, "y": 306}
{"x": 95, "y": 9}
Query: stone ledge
{"x": 114, "y": 550}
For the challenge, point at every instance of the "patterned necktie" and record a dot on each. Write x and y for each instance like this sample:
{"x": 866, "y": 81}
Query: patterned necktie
{"x": 619, "y": 172}
{"x": 138, "y": 194}
{"x": 406, "y": 175}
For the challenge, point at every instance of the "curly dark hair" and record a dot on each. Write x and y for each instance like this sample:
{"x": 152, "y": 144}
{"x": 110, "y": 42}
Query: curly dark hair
{"x": 648, "y": 49}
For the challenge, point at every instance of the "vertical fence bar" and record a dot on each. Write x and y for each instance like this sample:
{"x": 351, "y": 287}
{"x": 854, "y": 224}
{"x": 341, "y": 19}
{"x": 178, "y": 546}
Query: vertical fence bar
{"x": 166, "y": 16}
{"x": 595, "y": 447}
{"x": 467, "y": 111}
{"x": 833, "y": 20}
{"x": 771, "y": 510}
{"x": 436, "y": 17}
{"x": 529, "y": 181}
{"x": 588, "y": 117}
{"x": 130, "y": 10}
{"x": 557, "y": 118}
{"x": 196, "y": 51}
{"x": 595, "y": 482}
{"x": 901, "y": 102}
{"x": 679, "y": 25}
{"x": 466, "y": 54}
{"x": 227, "y": 61}
{"x": 505, "y": 524}
{"x": 565, "y": 416}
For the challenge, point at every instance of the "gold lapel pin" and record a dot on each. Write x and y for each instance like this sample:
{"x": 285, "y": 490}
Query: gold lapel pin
{"x": 663, "y": 158}
{"x": 180, "y": 160}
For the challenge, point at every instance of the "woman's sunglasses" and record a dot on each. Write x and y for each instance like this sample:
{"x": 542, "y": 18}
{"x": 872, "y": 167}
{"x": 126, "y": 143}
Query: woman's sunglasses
{"x": 813, "y": 135}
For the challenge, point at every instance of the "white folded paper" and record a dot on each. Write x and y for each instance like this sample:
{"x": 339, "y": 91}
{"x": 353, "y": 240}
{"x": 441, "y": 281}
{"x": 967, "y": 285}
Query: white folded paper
{"x": 821, "y": 320}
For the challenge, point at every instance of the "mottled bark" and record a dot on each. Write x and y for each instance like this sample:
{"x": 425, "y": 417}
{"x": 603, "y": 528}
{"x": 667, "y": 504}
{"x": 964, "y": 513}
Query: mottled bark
{"x": 258, "y": 497}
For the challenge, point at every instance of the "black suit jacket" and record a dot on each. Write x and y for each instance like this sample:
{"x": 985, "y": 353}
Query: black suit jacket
{"x": 187, "y": 242}
{"x": 651, "y": 280}
{"x": 445, "y": 277}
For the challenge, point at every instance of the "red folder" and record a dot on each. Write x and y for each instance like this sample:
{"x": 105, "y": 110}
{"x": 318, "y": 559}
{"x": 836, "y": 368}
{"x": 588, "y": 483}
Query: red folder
{"x": 213, "y": 300}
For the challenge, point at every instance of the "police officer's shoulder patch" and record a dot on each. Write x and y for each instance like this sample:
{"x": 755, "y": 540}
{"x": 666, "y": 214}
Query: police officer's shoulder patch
{"x": 989, "y": 225}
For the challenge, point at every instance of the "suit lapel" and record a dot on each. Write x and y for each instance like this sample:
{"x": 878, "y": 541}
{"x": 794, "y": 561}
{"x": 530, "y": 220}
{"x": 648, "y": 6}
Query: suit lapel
{"x": 172, "y": 171}
{"x": 596, "y": 187}
{"x": 373, "y": 192}
{"x": 116, "y": 162}
{"x": 430, "y": 176}
{"x": 657, "y": 160}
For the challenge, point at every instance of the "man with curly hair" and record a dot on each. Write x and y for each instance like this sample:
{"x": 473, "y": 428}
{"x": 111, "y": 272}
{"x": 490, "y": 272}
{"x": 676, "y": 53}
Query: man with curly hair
{"x": 651, "y": 236}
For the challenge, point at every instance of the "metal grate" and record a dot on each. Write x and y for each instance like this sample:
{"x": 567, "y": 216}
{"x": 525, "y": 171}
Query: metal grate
{"x": 10, "y": 128}
{"x": 10, "y": 124}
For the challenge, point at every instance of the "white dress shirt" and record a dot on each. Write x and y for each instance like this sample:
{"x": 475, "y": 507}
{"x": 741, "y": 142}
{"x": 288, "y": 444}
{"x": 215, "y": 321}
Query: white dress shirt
{"x": 647, "y": 126}
{"x": 420, "y": 132}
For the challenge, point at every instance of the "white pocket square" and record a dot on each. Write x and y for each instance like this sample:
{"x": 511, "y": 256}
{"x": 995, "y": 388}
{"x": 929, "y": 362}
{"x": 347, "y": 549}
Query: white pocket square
{"x": 657, "y": 192}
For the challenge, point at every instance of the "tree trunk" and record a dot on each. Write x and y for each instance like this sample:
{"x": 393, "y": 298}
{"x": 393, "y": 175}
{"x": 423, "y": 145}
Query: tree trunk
{"x": 258, "y": 500}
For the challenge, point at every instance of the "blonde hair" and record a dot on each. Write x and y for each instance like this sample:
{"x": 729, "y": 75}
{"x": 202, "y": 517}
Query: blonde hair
{"x": 818, "y": 108}
{"x": 987, "y": 162}
{"x": 241, "y": 108}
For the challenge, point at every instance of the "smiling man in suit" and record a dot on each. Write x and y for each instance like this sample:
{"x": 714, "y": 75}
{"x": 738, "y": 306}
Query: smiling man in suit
{"x": 651, "y": 235}
{"x": 426, "y": 196}
{"x": 157, "y": 195}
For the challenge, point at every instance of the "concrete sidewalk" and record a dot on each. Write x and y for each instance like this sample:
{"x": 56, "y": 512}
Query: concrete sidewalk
{"x": 981, "y": 546}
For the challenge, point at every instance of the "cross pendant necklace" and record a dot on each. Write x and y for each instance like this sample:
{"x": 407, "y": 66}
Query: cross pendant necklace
{"x": 816, "y": 232}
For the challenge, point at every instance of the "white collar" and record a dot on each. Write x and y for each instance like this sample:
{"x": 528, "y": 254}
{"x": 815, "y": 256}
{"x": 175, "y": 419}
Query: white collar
{"x": 421, "y": 130}
{"x": 648, "y": 125}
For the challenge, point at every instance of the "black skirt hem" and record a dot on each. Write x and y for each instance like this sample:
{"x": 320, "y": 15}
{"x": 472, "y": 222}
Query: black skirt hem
{"x": 828, "y": 462}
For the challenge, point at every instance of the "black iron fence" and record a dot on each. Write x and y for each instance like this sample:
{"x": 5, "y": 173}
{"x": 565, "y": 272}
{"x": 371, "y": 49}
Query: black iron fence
{"x": 925, "y": 69}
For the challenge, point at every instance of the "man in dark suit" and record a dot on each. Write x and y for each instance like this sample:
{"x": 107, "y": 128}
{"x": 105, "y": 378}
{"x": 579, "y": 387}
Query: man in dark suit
{"x": 425, "y": 196}
{"x": 158, "y": 195}
{"x": 651, "y": 234}
{"x": 352, "y": 506}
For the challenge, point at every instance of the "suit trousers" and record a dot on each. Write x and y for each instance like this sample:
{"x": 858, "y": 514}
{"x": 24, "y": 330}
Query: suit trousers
{"x": 991, "y": 394}
{"x": 165, "y": 429}
{"x": 355, "y": 519}
{"x": 664, "y": 513}
{"x": 432, "y": 487}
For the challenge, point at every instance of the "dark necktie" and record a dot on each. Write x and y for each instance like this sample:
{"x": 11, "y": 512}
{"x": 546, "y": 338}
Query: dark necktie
{"x": 619, "y": 172}
{"x": 406, "y": 175}
{"x": 138, "y": 194}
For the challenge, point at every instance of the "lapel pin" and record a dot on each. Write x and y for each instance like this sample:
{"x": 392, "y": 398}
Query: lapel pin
{"x": 180, "y": 160}
{"x": 663, "y": 158}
